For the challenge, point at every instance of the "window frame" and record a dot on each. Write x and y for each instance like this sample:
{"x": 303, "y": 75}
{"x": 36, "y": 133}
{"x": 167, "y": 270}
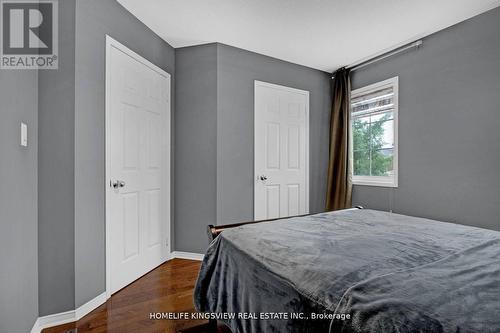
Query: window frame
{"x": 382, "y": 181}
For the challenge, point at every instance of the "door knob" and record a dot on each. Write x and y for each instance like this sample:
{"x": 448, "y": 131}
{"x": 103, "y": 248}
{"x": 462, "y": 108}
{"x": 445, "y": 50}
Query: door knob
{"x": 117, "y": 184}
{"x": 263, "y": 177}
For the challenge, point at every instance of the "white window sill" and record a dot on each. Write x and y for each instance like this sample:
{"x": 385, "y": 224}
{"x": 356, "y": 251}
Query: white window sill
{"x": 375, "y": 181}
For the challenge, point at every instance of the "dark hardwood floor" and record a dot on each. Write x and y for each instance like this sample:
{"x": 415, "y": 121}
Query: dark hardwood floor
{"x": 168, "y": 288}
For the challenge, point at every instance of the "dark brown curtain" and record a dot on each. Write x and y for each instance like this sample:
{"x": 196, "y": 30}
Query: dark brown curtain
{"x": 339, "y": 186}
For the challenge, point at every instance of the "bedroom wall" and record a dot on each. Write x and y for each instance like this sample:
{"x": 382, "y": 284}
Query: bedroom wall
{"x": 196, "y": 145}
{"x": 95, "y": 19}
{"x": 448, "y": 128}
{"x": 56, "y": 232}
{"x": 18, "y": 201}
{"x": 214, "y": 164}
{"x": 237, "y": 70}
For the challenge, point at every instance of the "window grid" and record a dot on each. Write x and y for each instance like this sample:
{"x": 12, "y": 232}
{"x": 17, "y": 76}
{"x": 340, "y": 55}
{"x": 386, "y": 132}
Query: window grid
{"x": 369, "y": 107}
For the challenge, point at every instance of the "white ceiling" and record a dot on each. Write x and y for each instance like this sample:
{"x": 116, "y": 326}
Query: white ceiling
{"x": 322, "y": 34}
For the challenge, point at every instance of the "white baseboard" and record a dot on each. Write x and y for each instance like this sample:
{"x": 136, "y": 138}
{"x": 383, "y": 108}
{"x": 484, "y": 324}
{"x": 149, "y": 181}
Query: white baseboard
{"x": 91, "y": 305}
{"x": 36, "y": 326}
{"x": 68, "y": 316}
{"x": 188, "y": 255}
{"x": 53, "y": 320}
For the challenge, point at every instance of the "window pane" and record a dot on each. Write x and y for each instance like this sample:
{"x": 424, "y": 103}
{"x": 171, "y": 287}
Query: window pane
{"x": 361, "y": 133}
{"x": 373, "y": 112}
{"x": 361, "y": 163}
{"x": 382, "y": 134}
{"x": 382, "y": 162}
{"x": 382, "y": 116}
{"x": 388, "y": 138}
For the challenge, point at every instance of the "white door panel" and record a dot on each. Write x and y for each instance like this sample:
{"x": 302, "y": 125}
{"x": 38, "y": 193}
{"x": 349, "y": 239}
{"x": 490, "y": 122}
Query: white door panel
{"x": 138, "y": 139}
{"x": 281, "y": 151}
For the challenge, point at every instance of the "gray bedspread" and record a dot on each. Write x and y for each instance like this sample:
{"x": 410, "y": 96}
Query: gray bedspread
{"x": 388, "y": 272}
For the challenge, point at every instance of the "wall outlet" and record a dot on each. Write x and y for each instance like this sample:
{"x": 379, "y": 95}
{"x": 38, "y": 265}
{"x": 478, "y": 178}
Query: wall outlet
{"x": 24, "y": 135}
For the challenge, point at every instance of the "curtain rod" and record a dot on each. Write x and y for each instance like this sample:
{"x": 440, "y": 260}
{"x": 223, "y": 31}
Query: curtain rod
{"x": 386, "y": 55}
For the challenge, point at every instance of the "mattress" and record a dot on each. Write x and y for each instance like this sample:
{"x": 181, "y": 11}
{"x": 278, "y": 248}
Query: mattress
{"x": 353, "y": 271}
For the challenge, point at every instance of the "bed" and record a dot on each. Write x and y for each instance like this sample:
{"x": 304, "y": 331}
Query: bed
{"x": 355, "y": 270}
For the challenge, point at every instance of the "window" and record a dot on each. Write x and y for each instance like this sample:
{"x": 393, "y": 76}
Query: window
{"x": 374, "y": 123}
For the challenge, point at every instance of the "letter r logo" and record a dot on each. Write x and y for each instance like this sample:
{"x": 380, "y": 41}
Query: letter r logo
{"x": 18, "y": 29}
{"x": 27, "y": 27}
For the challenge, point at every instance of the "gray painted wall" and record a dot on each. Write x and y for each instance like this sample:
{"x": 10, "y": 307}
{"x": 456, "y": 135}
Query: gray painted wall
{"x": 95, "y": 19}
{"x": 214, "y": 163}
{"x": 448, "y": 128}
{"x": 237, "y": 70}
{"x": 196, "y": 145}
{"x": 56, "y": 232}
{"x": 18, "y": 201}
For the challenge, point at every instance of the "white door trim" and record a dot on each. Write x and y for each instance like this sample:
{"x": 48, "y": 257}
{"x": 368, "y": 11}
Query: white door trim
{"x": 112, "y": 43}
{"x": 258, "y": 83}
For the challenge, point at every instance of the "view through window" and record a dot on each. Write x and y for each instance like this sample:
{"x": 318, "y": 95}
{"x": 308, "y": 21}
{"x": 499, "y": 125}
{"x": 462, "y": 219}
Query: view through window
{"x": 374, "y": 133}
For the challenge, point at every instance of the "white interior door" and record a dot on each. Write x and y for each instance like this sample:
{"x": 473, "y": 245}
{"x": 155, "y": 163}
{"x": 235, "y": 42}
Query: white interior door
{"x": 138, "y": 166}
{"x": 281, "y": 151}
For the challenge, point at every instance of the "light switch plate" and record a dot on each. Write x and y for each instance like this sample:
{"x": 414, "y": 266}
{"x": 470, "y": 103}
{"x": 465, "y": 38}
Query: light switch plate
{"x": 24, "y": 135}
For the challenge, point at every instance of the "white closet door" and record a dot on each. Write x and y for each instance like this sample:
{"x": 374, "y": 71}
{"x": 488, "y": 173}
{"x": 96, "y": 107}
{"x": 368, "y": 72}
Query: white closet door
{"x": 138, "y": 166}
{"x": 281, "y": 151}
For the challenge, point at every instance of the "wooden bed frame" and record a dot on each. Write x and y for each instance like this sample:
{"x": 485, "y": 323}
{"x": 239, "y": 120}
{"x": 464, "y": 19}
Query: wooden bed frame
{"x": 214, "y": 231}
